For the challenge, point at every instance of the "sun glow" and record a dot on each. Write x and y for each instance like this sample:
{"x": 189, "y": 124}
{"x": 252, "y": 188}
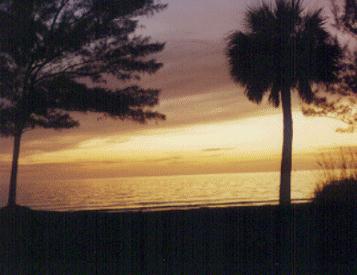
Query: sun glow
{"x": 246, "y": 139}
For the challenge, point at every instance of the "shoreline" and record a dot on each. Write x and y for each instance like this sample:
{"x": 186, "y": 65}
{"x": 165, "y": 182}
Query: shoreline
{"x": 164, "y": 207}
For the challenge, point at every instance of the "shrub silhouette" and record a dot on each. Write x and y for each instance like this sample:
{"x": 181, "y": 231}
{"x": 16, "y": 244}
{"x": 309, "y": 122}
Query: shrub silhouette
{"x": 339, "y": 184}
{"x": 337, "y": 191}
{"x": 336, "y": 201}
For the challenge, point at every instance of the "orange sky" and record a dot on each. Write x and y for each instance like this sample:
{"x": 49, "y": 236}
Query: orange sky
{"x": 210, "y": 128}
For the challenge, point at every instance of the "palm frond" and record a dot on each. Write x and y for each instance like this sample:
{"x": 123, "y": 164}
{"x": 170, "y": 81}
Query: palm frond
{"x": 283, "y": 47}
{"x": 274, "y": 96}
{"x": 251, "y": 62}
{"x": 256, "y": 92}
{"x": 305, "y": 91}
{"x": 256, "y": 15}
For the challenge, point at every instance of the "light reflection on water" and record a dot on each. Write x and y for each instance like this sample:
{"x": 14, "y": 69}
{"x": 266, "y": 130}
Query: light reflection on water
{"x": 150, "y": 193}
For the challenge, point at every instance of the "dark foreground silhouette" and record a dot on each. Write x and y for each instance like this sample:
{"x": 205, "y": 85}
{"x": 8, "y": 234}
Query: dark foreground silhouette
{"x": 245, "y": 240}
{"x": 337, "y": 191}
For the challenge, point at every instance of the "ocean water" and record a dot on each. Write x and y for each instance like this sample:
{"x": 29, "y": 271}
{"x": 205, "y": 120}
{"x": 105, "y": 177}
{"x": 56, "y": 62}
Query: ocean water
{"x": 160, "y": 193}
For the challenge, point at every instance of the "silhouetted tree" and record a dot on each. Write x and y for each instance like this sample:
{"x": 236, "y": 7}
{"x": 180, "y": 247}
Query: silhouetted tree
{"x": 51, "y": 49}
{"x": 282, "y": 49}
{"x": 343, "y": 102}
{"x": 345, "y": 16}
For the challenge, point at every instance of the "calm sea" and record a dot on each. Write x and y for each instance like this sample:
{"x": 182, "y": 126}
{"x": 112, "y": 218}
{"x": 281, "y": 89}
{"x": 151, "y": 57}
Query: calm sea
{"x": 158, "y": 193}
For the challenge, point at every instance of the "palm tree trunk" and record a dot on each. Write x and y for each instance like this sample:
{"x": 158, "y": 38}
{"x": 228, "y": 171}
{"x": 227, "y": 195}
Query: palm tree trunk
{"x": 286, "y": 161}
{"x": 285, "y": 229}
{"x": 14, "y": 169}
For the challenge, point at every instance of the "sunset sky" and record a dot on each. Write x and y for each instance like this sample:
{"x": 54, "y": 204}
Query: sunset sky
{"x": 210, "y": 128}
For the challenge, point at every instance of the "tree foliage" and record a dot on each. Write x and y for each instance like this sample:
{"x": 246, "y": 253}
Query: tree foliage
{"x": 340, "y": 99}
{"x": 55, "y": 57}
{"x": 47, "y": 48}
{"x": 345, "y": 16}
{"x": 282, "y": 47}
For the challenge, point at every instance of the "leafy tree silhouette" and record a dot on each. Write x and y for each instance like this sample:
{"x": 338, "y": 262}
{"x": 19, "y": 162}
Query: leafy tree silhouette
{"x": 345, "y": 17}
{"x": 343, "y": 104}
{"x": 282, "y": 49}
{"x": 49, "y": 49}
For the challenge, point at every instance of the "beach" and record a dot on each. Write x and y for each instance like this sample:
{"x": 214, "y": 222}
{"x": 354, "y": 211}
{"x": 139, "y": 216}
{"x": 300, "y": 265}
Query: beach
{"x": 237, "y": 240}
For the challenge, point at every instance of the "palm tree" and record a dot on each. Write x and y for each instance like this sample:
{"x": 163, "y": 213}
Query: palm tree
{"x": 281, "y": 50}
